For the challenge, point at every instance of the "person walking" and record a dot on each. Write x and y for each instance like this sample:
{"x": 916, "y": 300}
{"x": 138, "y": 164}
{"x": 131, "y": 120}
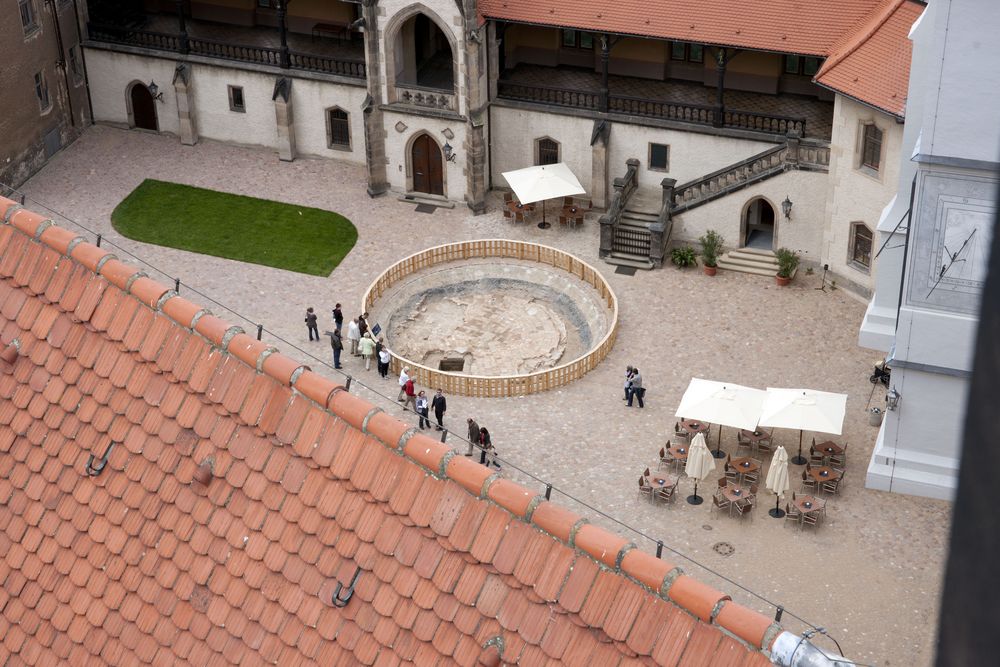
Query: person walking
{"x": 311, "y": 325}
{"x": 354, "y": 336}
{"x": 383, "y": 359}
{"x": 363, "y": 324}
{"x": 628, "y": 382}
{"x": 489, "y": 454}
{"x": 337, "y": 343}
{"x": 367, "y": 347}
{"x": 411, "y": 395}
{"x": 422, "y": 410}
{"x": 440, "y": 405}
{"x": 473, "y": 435}
{"x": 338, "y": 317}
{"x": 637, "y": 391}
{"x": 404, "y": 376}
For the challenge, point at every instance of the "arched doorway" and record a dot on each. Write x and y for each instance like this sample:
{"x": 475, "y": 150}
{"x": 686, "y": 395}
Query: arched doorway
{"x": 422, "y": 55}
{"x": 425, "y": 159}
{"x": 757, "y": 230}
{"x": 143, "y": 108}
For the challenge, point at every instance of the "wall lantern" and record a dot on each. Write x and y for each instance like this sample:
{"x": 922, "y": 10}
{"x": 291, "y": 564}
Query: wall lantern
{"x": 449, "y": 153}
{"x": 786, "y": 208}
{"x": 155, "y": 91}
{"x": 892, "y": 398}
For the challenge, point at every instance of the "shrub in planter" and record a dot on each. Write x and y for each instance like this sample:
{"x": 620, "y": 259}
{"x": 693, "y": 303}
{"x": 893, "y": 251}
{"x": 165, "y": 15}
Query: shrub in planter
{"x": 683, "y": 256}
{"x": 711, "y": 246}
{"x": 788, "y": 261}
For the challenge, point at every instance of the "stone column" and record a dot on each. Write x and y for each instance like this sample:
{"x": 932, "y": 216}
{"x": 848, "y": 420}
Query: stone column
{"x": 477, "y": 88}
{"x": 284, "y": 118}
{"x": 605, "y": 57}
{"x": 659, "y": 231}
{"x": 493, "y": 46}
{"x": 719, "y": 114}
{"x": 792, "y": 142}
{"x": 374, "y": 123}
{"x": 185, "y": 104}
{"x": 599, "y": 140}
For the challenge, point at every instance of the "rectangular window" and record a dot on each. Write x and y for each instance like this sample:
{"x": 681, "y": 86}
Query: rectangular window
{"x": 810, "y": 66}
{"x": 696, "y": 53}
{"x": 42, "y": 91}
{"x": 266, "y": 4}
{"x": 576, "y": 39}
{"x": 569, "y": 38}
{"x": 659, "y": 157}
{"x": 678, "y": 51}
{"x": 586, "y": 40}
{"x": 861, "y": 245}
{"x": 792, "y": 64}
{"x": 548, "y": 151}
{"x": 871, "y": 147}
{"x": 74, "y": 64}
{"x": 339, "y": 127}
{"x": 27, "y": 9}
{"x": 236, "y": 101}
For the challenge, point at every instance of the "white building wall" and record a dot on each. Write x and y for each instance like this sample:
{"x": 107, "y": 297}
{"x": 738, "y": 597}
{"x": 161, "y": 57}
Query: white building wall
{"x": 397, "y": 150}
{"x": 111, "y": 73}
{"x": 513, "y": 133}
{"x": 212, "y": 116}
{"x": 857, "y": 194}
{"x": 310, "y": 101}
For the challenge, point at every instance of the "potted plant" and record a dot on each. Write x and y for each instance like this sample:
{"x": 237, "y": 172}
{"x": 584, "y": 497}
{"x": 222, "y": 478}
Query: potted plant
{"x": 683, "y": 256}
{"x": 711, "y": 246}
{"x": 788, "y": 261}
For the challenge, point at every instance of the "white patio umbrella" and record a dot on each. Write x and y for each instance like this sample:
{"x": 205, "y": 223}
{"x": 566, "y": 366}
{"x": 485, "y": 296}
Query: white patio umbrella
{"x": 803, "y": 409}
{"x": 699, "y": 466}
{"x": 722, "y": 403}
{"x": 546, "y": 181}
{"x": 777, "y": 479}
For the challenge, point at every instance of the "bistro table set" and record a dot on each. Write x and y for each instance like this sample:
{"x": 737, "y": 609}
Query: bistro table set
{"x": 543, "y": 183}
{"x": 750, "y": 410}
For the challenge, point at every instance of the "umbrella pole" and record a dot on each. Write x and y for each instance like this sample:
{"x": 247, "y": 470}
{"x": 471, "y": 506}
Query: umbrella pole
{"x": 777, "y": 512}
{"x": 718, "y": 446}
{"x": 799, "y": 459}
{"x": 543, "y": 224}
{"x": 695, "y": 499}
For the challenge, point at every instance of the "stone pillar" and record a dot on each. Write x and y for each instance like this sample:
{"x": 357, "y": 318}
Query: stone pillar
{"x": 283, "y": 31}
{"x": 475, "y": 76}
{"x": 284, "y": 118}
{"x": 599, "y": 140}
{"x": 668, "y": 184}
{"x": 605, "y": 57}
{"x": 493, "y": 47}
{"x": 185, "y": 105}
{"x": 719, "y": 114}
{"x": 607, "y": 235}
{"x": 792, "y": 142}
{"x": 182, "y": 27}
{"x": 374, "y": 123}
{"x": 475, "y": 168}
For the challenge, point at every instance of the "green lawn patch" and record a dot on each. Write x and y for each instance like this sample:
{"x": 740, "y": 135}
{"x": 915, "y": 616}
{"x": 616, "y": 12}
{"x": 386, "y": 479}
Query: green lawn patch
{"x": 258, "y": 231}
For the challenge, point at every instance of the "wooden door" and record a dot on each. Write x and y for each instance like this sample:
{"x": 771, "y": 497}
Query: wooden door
{"x": 143, "y": 108}
{"x": 428, "y": 175}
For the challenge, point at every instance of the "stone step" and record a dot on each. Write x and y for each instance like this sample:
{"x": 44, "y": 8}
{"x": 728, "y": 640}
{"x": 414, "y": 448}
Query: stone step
{"x": 743, "y": 260}
{"x": 639, "y": 216}
{"x": 727, "y": 265}
{"x": 424, "y": 198}
{"x": 624, "y": 259}
{"x": 753, "y": 251}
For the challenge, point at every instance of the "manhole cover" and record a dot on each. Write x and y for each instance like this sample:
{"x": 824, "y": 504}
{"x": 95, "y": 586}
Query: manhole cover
{"x": 425, "y": 208}
{"x": 724, "y": 548}
{"x": 706, "y": 526}
{"x": 625, "y": 270}
{"x": 454, "y": 365}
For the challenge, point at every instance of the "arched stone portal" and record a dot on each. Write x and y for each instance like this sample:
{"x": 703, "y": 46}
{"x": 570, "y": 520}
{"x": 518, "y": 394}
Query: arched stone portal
{"x": 427, "y": 166}
{"x": 142, "y": 108}
{"x": 759, "y": 225}
{"x": 422, "y": 55}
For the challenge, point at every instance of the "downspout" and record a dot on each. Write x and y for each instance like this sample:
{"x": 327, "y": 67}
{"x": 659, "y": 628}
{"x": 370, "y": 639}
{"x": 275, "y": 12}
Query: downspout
{"x": 61, "y": 60}
{"x": 83, "y": 60}
{"x": 790, "y": 650}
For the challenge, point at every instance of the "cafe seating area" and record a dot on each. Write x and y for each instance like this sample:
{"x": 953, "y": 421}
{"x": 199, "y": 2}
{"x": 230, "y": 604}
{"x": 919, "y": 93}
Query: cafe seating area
{"x": 569, "y": 211}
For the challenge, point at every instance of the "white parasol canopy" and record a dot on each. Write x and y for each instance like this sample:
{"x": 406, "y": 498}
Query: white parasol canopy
{"x": 722, "y": 403}
{"x": 546, "y": 181}
{"x": 777, "y": 474}
{"x": 804, "y": 409}
{"x": 700, "y": 463}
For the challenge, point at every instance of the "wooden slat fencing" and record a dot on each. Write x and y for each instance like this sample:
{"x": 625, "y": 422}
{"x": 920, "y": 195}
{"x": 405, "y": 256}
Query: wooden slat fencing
{"x": 498, "y": 386}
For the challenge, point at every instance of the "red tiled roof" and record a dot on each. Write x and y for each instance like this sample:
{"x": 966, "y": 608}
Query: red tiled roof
{"x": 786, "y": 26}
{"x": 310, "y": 489}
{"x": 871, "y": 63}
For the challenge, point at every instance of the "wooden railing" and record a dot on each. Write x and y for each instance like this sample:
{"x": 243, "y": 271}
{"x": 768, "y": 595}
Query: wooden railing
{"x": 247, "y": 53}
{"x": 485, "y": 386}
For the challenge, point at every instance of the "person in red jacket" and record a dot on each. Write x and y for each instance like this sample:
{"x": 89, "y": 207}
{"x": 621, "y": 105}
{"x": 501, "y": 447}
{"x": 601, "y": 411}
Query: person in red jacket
{"x": 411, "y": 395}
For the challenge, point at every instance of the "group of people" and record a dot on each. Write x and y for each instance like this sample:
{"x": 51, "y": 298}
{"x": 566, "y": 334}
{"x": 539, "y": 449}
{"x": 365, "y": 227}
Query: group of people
{"x": 363, "y": 343}
{"x": 633, "y": 386}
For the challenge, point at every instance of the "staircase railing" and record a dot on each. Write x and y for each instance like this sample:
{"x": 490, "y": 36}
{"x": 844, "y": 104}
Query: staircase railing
{"x": 624, "y": 187}
{"x": 660, "y": 231}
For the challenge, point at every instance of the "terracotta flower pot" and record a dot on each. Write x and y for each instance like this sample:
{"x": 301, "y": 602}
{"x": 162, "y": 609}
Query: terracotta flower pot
{"x": 782, "y": 282}
{"x": 709, "y": 270}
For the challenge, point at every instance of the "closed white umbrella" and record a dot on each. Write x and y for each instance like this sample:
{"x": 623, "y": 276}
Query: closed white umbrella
{"x": 804, "y": 409}
{"x": 722, "y": 403}
{"x": 699, "y": 466}
{"x": 777, "y": 479}
{"x": 546, "y": 181}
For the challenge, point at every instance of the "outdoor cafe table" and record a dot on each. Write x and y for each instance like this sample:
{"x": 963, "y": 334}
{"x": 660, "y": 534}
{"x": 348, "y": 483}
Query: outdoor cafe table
{"x": 809, "y": 504}
{"x": 828, "y": 449}
{"x": 572, "y": 214}
{"x": 744, "y": 465}
{"x": 517, "y": 207}
{"x": 823, "y": 474}
{"x": 734, "y": 494}
{"x": 679, "y": 452}
{"x": 755, "y": 436}
{"x": 693, "y": 426}
{"x": 659, "y": 481}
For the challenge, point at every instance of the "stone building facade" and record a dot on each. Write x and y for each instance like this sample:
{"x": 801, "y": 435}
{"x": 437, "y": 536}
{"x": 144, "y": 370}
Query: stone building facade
{"x": 45, "y": 104}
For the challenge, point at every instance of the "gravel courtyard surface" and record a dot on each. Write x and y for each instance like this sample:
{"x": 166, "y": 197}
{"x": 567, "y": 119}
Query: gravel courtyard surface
{"x": 870, "y": 576}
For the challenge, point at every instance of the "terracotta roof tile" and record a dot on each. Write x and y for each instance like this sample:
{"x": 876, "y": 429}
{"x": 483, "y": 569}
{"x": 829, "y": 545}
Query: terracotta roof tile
{"x": 142, "y": 563}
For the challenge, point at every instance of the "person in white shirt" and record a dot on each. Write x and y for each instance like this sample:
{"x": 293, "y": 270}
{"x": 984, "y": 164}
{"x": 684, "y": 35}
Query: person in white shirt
{"x": 404, "y": 375}
{"x": 383, "y": 361}
{"x": 354, "y": 335}
{"x": 422, "y": 410}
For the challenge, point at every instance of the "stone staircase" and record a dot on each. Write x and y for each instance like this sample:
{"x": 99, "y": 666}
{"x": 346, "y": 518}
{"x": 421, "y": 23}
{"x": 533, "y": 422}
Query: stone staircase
{"x": 750, "y": 260}
{"x": 631, "y": 243}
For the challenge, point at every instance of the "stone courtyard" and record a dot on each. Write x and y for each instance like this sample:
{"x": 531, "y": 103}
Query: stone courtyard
{"x": 870, "y": 575}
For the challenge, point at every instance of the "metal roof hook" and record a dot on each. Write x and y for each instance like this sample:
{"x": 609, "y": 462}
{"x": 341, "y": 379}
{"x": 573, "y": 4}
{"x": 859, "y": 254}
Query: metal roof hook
{"x": 96, "y": 466}
{"x": 342, "y": 597}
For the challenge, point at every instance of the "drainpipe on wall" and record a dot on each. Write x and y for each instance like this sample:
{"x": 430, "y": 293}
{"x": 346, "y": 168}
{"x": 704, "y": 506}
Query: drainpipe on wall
{"x": 790, "y": 650}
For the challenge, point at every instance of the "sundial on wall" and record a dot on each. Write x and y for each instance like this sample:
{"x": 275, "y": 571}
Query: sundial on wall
{"x": 964, "y": 244}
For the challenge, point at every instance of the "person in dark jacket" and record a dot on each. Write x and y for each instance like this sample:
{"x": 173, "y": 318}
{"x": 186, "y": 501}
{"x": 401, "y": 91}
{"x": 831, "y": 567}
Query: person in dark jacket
{"x": 311, "y": 324}
{"x": 473, "y": 435}
{"x": 638, "y": 391}
{"x": 338, "y": 346}
{"x": 338, "y": 317}
{"x": 363, "y": 324}
{"x": 440, "y": 405}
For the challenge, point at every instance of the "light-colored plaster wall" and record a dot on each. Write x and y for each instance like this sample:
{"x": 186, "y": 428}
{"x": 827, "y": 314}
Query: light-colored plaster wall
{"x": 802, "y": 233}
{"x": 214, "y": 120}
{"x": 397, "y": 146}
{"x": 310, "y": 100}
{"x": 858, "y": 195}
{"x": 110, "y": 75}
